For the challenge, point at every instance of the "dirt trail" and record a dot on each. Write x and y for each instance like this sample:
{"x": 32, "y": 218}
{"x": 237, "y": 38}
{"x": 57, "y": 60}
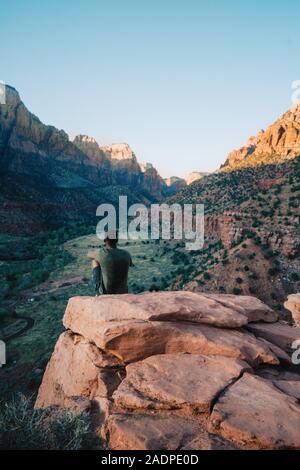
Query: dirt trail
{"x": 29, "y": 324}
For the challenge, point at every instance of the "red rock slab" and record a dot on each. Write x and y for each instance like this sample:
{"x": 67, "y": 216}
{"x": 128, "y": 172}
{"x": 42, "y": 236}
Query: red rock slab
{"x": 150, "y": 432}
{"x": 277, "y": 333}
{"x": 135, "y": 340}
{"x": 163, "y": 306}
{"x": 253, "y": 308}
{"x": 254, "y": 412}
{"x": 173, "y": 381}
{"x": 289, "y": 387}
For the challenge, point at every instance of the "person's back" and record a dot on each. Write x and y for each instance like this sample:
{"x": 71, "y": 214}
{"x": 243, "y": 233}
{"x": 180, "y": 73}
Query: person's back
{"x": 114, "y": 263}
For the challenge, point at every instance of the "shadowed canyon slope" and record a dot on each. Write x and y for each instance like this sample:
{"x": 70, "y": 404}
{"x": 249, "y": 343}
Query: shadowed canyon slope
{"x": 252, "y": 218}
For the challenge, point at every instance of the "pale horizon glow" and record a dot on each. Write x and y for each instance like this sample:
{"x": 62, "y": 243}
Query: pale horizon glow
{"x": 182, "y": 82}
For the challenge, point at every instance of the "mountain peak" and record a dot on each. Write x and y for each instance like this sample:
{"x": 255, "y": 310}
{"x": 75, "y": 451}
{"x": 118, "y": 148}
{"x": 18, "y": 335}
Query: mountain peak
{"x": 85, "y": 139}
{"x": 295, "y": 109}
{"x": 195, "y": 176}
{"x": 146, "y": 166}
{"x": 12, "y": 95}
{"x": 90, "y": 147}
{"x": 119, "y": 152}
{"x": 278, "y": 143}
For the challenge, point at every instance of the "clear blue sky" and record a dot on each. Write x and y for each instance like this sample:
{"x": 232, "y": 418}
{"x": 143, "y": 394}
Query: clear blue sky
{"x": 183, "y": 82}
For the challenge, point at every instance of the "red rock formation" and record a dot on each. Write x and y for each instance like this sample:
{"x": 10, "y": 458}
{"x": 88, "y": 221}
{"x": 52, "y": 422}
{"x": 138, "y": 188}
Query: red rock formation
{"x": 119, "y": 356}
{"x": 279, "y": 142}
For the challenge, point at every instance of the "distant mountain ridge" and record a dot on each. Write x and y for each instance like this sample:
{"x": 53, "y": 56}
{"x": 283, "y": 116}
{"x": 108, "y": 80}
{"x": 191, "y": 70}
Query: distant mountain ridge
{"x": 46, "y": 179}
{"x": 30, "y": 148}
{"x": 120, "y": 166}
{"x": 176, "y": 184}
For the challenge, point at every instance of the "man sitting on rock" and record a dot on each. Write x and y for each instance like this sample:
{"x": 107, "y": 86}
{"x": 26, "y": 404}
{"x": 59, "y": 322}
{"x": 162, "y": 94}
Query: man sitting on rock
{"x": 110, "y": 266}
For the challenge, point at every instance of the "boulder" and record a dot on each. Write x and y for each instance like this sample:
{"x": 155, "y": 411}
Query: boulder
{"x": 290, "y": 387}
{"x": 280, "y": 334}
{"x": 135, "y": 340}
{"x": 149, "y": 432}
{"x": 73, "y": 371}
{"x": 170, "y": 381}
{"x": 253, "y": 308}
{"x": 158, "y": 371}
{"x": 293, "y": 305}
{"x": 165, "y": 306}
{"x": 254, "y": 412}
{"x": 280, "y": 353}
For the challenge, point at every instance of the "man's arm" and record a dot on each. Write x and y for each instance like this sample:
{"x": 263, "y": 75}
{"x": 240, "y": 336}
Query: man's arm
{"x": 91, "y": 254}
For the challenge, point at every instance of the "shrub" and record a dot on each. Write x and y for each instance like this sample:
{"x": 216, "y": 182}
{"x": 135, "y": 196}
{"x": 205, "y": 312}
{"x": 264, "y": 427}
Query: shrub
{"x": 4, "y": 289}
{"x": 207, "y": 276}
{"x": 273, "y": 271}
{"x": 295, "y": 277}
{"x": 140, "y": 289}
{"x": 237, "y": 291}
{"x": 3, "y": 313}
{"x": 239, "y": 280}
{"x": 23, "y": 427}
{"x": 153, "y": 288}
{"x": 268, "y": 254}
{"x": 253, "y": 276}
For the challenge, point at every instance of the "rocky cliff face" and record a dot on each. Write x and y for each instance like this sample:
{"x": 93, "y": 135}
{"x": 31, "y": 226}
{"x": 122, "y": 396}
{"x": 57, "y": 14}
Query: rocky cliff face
{"x": 152, "y": 181}
{"x": 174, "y": 184}
{"x": 124, "y": 164}
{"x": 281, "y": 141}
{"x": 231, "y": 228}
{"x": 195, "y": 176}
{"x": 252, "y": 212}
{"x": 47, "y": 179}
{"x": 90, "y": 147}
{"x": 177, "y": 370}
{"x": 30, "y": 149}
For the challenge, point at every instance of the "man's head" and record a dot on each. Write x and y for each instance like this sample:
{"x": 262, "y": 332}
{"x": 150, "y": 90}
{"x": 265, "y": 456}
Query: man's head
{"x": 111, "y": 238}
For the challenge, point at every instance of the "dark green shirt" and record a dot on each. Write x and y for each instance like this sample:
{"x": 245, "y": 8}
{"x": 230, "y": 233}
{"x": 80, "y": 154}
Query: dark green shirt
{"x": 114, "y": 264}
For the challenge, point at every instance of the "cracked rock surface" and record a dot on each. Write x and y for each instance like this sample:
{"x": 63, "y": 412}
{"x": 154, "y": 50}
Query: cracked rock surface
{"x": 172, "y": 370}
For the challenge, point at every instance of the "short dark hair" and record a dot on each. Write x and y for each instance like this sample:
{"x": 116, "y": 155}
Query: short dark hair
{"x": 111, "y": 238}
{"x": 111, "y": 241}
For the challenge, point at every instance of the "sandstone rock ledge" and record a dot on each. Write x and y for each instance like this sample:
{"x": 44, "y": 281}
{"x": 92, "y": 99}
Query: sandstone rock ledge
{"x": 177, "y": 370}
